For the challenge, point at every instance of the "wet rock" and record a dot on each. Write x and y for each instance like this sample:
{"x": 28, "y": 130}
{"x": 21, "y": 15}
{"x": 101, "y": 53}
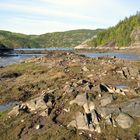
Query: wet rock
{"x": 124, "y": 120}
{"x": 106, "y": 99}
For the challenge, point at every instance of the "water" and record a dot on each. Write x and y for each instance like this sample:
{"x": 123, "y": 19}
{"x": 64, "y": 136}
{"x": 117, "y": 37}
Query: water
{"x": 121, "y": 86}
{"x": 117, "y": 55}
{"x": 6, "y": 106}
{"x": 5, "y": 61}
{"x": 44, "y": 49}
{"x": 15, "y": 58}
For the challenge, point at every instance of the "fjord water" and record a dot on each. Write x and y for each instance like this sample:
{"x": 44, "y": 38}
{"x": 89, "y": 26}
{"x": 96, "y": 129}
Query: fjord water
{"x": 15, "y": 58}
{"x": 117, "y": 55}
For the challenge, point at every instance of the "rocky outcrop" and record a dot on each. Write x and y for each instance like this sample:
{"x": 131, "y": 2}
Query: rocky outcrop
{"x": 40, "y": 104}
{"x": 90, "y": 119}
{"x": 5, "y": 50}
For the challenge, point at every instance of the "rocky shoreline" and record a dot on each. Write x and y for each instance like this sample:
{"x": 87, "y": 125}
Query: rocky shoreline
{"x": 66, "y": 96}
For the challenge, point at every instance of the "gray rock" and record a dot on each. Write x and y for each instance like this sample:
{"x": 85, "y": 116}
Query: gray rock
{"x": 80, "y": 122}
{"x": 124, "y": 120}
{"x": 106, "y": 99}
{"x": 80, "y": 99}
{"x": 107, "y": 110}
{"x": 131, "y": 107}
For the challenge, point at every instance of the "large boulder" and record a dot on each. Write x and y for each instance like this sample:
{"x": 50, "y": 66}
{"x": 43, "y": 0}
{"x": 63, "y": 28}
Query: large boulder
{"x": 124, "y": 120}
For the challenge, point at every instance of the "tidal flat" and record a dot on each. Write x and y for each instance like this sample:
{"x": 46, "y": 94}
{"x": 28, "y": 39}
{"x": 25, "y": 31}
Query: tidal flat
{"x": 63, "y": 95}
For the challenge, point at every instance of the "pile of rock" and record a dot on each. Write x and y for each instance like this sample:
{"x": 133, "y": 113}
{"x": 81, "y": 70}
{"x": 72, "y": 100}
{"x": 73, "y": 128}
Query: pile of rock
{"x": 42, "y": 104}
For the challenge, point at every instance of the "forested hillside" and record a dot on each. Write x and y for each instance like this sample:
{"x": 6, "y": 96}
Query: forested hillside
{"x": 57, "y": 39}
{"x": 125, "y": 33}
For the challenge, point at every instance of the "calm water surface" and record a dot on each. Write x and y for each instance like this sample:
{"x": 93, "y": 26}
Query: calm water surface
{"x": 15, "y": 58}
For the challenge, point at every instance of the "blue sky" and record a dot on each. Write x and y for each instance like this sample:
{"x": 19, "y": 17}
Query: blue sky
{"x": 42, "y": 16}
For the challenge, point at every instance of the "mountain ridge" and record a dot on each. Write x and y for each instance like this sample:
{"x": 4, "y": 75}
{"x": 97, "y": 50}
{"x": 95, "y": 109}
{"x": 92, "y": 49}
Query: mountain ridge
{"x": 70, "y": 38}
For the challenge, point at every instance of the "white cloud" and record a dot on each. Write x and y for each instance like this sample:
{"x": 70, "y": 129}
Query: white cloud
{"x": 42, "y": 10}
{"x": 40, "y": 16}
{"x": 33, "y": 26}
{"x": 68, "y": 2}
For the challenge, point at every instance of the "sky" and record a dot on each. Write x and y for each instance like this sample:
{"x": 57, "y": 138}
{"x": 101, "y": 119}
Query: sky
{"x": 42, "y": 16}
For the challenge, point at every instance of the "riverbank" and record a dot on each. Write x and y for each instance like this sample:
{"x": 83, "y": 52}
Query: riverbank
{"x": 51, "y": 92}
{"x": 23, "y": 54}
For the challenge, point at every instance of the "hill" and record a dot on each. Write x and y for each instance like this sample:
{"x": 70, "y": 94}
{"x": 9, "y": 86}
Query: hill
{"x": 56, "y": 39}
{"x": 125, "y": 33}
